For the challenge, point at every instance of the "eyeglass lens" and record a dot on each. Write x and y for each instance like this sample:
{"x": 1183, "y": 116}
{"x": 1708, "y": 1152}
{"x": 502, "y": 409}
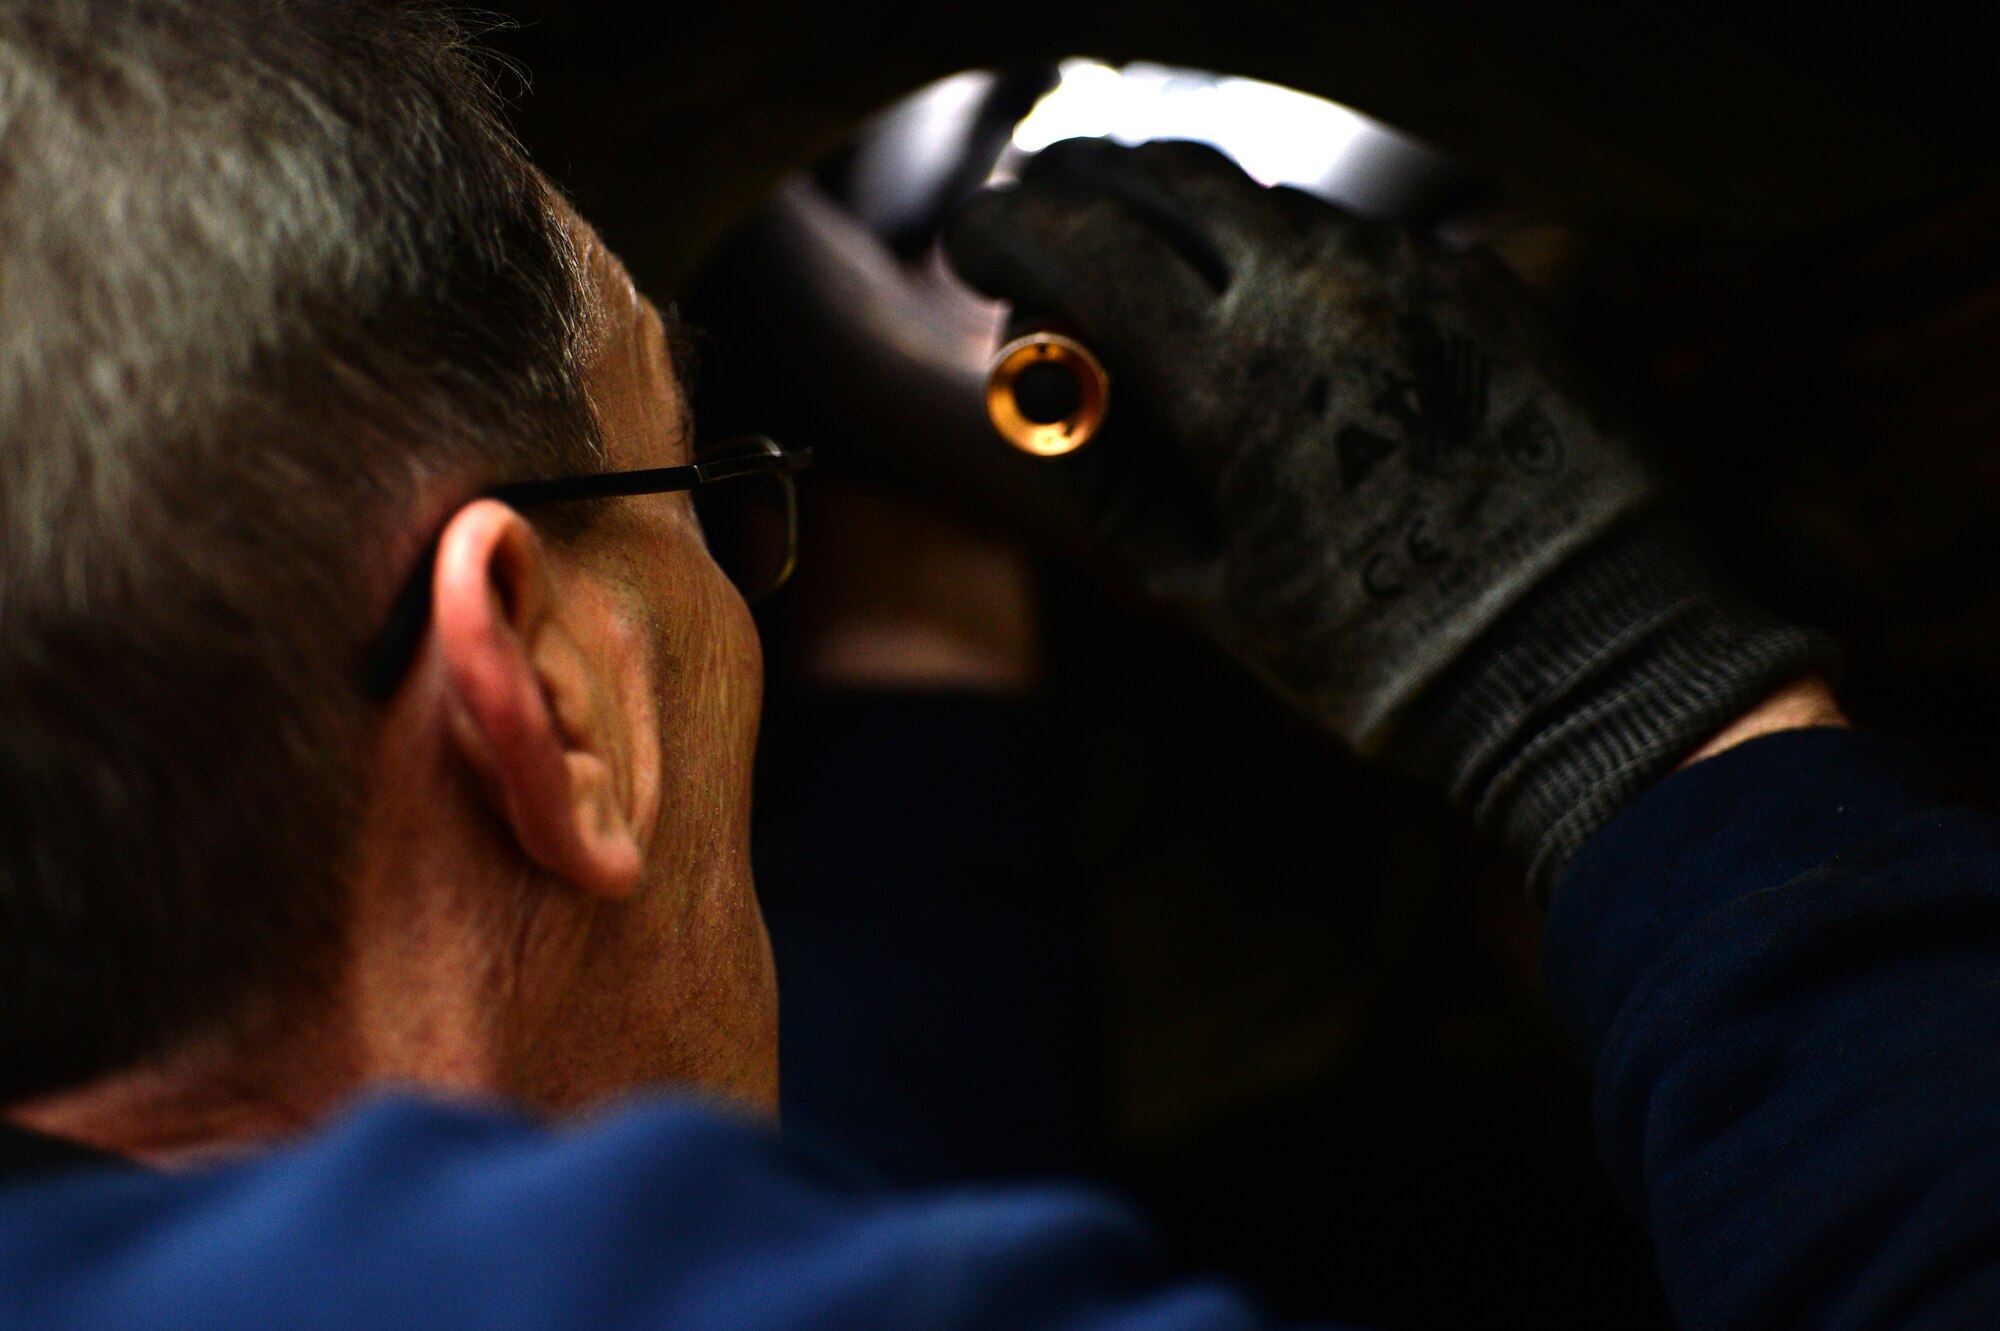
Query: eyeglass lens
{"x": 751, "y": 525}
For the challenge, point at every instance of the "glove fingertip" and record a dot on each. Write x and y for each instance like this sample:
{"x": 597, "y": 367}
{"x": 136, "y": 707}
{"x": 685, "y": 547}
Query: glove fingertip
{"x": 1192, "y": 159}
{"x": 1075, "y": 163}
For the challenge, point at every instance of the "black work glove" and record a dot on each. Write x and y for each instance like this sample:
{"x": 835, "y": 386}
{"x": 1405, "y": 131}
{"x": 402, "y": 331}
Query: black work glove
{"x": 1361, "y": 465}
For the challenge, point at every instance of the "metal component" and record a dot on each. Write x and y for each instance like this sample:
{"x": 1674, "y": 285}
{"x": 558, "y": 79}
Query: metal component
{"x": 1021, "y": 409}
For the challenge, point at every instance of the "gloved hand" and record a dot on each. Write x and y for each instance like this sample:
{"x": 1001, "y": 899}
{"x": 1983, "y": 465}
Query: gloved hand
{"x": 1359, "y": 462}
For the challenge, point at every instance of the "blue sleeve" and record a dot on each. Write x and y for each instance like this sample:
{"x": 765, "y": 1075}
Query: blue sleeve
{"x": 668, "y": 1217}
{"x": 1782, "y": 967}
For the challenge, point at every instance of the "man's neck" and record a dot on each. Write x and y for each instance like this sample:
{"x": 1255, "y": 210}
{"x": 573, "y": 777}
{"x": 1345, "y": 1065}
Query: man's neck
{"x": 397, "y": 1015}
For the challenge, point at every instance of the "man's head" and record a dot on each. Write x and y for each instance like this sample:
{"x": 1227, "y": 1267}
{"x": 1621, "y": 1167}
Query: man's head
{"x": 278, "y": 295}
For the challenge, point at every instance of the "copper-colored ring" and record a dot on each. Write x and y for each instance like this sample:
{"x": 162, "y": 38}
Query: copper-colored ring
{"x": 1057, "y": 437}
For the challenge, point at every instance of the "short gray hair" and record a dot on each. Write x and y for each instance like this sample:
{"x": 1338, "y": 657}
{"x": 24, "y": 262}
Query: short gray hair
{"x": 265, "y": 268}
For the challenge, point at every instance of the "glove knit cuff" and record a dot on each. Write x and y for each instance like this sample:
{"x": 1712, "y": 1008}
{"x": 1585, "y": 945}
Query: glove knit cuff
{"x": 1596, "y": 685}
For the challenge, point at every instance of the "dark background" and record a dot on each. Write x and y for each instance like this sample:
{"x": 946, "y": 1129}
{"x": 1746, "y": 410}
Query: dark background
{"x": 1778, "y": 238}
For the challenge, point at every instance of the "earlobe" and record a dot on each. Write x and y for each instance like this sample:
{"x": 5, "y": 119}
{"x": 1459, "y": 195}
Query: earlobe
{"x": 528, "y": 712}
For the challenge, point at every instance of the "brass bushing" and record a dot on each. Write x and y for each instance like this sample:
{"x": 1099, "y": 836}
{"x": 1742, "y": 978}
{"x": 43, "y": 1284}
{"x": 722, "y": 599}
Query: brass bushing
{"x": 1035, "y": 410}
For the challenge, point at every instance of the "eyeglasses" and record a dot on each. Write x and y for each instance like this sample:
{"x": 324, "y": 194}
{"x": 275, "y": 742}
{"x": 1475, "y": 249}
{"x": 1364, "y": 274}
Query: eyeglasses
{"x": 751, "y": 526}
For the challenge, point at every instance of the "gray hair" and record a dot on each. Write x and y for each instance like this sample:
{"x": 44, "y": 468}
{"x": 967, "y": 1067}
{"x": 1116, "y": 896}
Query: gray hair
{"x": 265, "y": 268}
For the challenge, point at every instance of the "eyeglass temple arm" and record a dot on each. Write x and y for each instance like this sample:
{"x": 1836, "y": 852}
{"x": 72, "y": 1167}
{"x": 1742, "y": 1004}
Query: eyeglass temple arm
{"x": 388, "y": 657}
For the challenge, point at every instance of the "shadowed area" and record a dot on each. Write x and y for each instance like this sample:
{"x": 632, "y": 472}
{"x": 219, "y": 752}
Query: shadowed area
{"x": 1779, "y": 245}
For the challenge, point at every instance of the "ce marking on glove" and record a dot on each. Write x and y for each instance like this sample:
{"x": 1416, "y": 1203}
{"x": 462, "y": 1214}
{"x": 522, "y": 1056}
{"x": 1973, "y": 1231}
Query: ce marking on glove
{"x": 1384, "y": 574}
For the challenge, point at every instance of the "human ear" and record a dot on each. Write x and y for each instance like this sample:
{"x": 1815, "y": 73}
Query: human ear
{"x": 529, "y": 707}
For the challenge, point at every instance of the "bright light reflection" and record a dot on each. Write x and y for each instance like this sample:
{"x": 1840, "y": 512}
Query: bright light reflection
{"x": 1278, "y": 135}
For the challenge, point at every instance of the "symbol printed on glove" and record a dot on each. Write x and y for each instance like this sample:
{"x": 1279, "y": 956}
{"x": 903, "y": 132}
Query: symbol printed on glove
{"x": 1440, "y": 414}
{"x": 1532, "y": 443}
